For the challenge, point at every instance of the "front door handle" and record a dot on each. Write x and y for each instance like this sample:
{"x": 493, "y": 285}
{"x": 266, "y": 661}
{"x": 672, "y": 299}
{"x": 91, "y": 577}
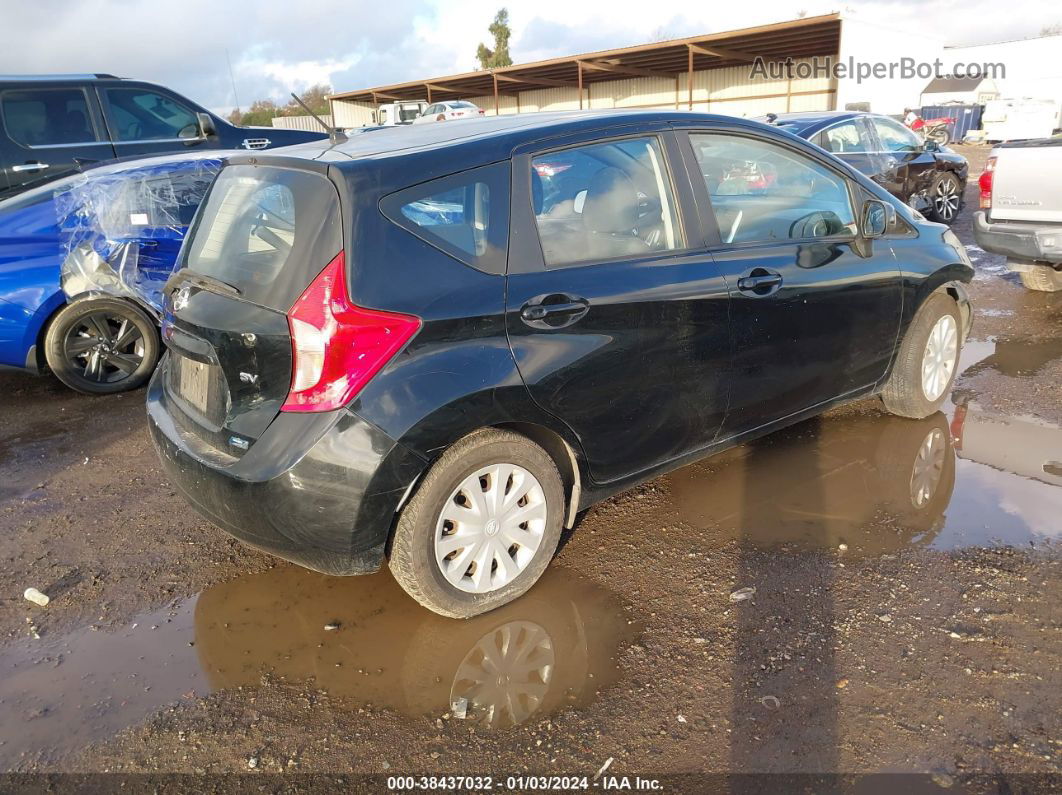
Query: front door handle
{"x": 30, "y": 167}
{"x": 554, "y": 311}
{"x": 760, "y": 281}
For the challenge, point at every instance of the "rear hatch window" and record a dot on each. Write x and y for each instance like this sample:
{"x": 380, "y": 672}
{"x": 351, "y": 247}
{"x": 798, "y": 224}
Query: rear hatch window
{"x": 262, "y": 236}
{"x": 266, "y": 231}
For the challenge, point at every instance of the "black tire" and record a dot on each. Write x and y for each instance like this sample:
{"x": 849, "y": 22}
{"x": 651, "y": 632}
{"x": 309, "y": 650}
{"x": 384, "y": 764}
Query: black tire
{"x": 1042, "y": 278}
{"x": 100, "y": 346}
{"x": 412, "y": 559}
{"x": 945, "y": 198}
{"x": 903, "y": 394}
{"x": 940, "y": 135}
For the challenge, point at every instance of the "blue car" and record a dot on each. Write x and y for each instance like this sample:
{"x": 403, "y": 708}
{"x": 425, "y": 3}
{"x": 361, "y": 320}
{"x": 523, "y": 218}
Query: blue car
{"x": 82, "y": 265}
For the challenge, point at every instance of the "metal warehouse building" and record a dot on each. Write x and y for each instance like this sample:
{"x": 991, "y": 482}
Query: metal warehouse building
{"x": 712, "y": 72}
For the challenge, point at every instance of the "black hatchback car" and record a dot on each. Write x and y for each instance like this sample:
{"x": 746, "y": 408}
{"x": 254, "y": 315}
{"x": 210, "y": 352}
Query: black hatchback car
{"x": 440, "y": 345}
{"x": 921, "y": 173}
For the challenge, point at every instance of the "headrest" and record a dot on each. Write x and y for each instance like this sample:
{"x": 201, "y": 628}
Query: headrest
{"x": 611, "y": 203}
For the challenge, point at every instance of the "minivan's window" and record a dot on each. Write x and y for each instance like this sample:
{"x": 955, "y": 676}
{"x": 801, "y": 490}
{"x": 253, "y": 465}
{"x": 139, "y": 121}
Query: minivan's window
{"x": 48, "y": 116}
{"x": 895, "y": 137}
{"x": 266, "y": 231}
{"x": 843, "y": 138}
{"x": 143, "y": 115}
{"x": 466, "y": 215}
{"x": 603, "y": 201}
{"x": 763, "y": 193}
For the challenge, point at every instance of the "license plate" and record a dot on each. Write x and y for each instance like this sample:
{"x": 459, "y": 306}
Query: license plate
{"x": 195, "y": 383}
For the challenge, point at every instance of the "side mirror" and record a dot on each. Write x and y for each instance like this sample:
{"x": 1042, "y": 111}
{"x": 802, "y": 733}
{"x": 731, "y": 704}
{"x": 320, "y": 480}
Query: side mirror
{"x": 875, "y": 219}
{"x": 206, "y": 124}
{"x": 931, "y": 146}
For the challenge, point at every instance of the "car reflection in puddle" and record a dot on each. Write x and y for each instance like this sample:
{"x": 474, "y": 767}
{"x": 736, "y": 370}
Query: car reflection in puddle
{"x": 880, "y": 484}
{"x": 877, "y": 484}
{"x": 364, "y": 639}
{"x": 360, "y": 638}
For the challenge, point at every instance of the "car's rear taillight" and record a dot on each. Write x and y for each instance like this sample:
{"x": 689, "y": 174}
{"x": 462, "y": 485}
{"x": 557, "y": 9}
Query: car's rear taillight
{"x": 338, "y": 346}
{"x": 985, "y": 182}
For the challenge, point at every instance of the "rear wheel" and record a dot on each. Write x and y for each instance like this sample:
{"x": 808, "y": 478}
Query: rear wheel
{"x": 481, "y": 527}
{"x": 102, "y": 345}
{"x": 945, "y": 198}
{"x": 1043, "y": 278}
{"x": 927, "y": 361}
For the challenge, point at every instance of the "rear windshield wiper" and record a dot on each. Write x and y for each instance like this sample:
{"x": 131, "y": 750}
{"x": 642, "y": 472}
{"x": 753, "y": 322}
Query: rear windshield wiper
{"x": 211, "y": 283}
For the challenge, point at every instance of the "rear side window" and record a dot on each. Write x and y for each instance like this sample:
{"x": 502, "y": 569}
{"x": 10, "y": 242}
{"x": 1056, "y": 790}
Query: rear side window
{"x": 267, "y": 231}
{"x": 465, "y": 215}
{"x": 603, "y": 201}
{"x": 48, "y": 117}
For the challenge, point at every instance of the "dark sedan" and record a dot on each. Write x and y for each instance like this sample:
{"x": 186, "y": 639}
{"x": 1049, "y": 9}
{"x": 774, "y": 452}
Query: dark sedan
{"x": 923, "y": 174}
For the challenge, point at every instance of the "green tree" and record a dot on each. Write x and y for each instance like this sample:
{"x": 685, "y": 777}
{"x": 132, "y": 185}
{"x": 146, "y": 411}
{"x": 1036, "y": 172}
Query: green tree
{"x": 316, "y": 97}
{"x": 499, "y": 56}
{"x": 260, "y": 114}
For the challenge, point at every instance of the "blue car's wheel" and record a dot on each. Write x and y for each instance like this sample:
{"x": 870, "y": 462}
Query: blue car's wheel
{"x": 102, "y": 345}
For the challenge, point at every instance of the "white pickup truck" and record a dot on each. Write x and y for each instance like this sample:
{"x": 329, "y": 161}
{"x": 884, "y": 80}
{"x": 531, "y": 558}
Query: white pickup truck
{"x": 1021, "y": 210}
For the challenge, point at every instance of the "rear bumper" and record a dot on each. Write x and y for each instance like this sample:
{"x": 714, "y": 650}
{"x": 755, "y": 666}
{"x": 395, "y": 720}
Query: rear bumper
{"x": 1027, "y": 242}
{"x": 320, "y": 490}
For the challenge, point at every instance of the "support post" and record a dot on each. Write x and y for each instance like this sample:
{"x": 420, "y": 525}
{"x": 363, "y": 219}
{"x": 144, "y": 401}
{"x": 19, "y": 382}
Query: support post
{"x": 689, "y": 76}
{"x": 579, "y": 66}
{"x": 497, "y": 112}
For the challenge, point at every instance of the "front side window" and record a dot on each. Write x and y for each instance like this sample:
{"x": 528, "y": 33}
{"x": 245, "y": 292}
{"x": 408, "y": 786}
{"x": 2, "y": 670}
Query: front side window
{"x": 465, "y": 215}
{"x": 48, "y": 117}
{"x": 762, "y": 193}
{"x": 266, "y": 231}
{"x": 603, "y": 201}
{"x": 142, "y": 115}
{"x": 844, "y": 138}
{"x": 895, "y": 137}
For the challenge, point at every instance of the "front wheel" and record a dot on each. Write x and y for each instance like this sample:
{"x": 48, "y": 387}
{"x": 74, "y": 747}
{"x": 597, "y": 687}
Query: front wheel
{"x": 482, "y": 526}
{"x": 940, "y": 135}
{"x": 102, "y": 345}
{"x": 927, "y": 361}
{"x": 945, "y": 198}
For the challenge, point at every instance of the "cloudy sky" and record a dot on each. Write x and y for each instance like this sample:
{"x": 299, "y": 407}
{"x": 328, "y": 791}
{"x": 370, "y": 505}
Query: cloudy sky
{"x": 277, "y": 45}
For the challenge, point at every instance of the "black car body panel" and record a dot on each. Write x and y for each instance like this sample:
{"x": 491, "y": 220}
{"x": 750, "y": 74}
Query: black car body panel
{"x": 52, "y": 125}
{"x": 656, "y": 358}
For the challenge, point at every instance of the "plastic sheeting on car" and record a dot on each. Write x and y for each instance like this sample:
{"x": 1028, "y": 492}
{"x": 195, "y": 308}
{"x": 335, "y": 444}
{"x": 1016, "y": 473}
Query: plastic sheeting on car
{"x": 121, "y": 226}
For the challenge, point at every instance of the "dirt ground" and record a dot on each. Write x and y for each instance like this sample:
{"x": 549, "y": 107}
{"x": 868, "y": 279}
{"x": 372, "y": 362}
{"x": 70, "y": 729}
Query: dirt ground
{"x": 905, "y": 619}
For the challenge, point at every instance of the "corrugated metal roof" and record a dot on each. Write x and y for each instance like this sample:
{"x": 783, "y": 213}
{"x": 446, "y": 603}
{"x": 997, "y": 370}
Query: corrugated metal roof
{"x": 798, "y": 38}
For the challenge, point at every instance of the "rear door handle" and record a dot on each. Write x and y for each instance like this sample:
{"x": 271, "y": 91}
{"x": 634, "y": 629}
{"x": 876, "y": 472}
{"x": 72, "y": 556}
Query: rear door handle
{"x": 759, "y": 282}
{"x": 561, "y": 310}
{"x": 30, "y": 167}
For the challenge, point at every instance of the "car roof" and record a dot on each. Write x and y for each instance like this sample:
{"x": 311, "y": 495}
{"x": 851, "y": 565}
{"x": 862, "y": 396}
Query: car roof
{"x": 56, "y": 78}
{"x": 488, "y": 133}
{"x": 807, "y": 122}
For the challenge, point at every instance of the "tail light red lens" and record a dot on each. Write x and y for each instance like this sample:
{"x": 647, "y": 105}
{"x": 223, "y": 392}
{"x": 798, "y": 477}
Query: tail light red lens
{"x": 338, "y": 347}
{"x": 985, "y": 182}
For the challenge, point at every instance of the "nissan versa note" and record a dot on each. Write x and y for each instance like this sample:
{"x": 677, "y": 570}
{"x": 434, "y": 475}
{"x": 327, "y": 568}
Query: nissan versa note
{"x": 438, "y": 346}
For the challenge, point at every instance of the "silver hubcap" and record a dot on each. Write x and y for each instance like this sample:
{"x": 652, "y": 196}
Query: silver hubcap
{"x": 506, "y": 675}
{"x": 938, "y": 360}
{"x": 946, "y": 199}
{"x": 928, "y": 465}
{"x": 490, "y": 528}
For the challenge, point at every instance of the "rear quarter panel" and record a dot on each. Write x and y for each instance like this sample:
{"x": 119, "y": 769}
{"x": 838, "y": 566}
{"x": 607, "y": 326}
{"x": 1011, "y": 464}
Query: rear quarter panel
{"x": 30, "y": 254}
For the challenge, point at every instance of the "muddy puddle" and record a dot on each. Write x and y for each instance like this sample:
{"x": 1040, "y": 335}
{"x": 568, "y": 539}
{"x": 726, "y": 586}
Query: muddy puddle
{"x": 879, "y": 484}
{"x": 362, "y": 639}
